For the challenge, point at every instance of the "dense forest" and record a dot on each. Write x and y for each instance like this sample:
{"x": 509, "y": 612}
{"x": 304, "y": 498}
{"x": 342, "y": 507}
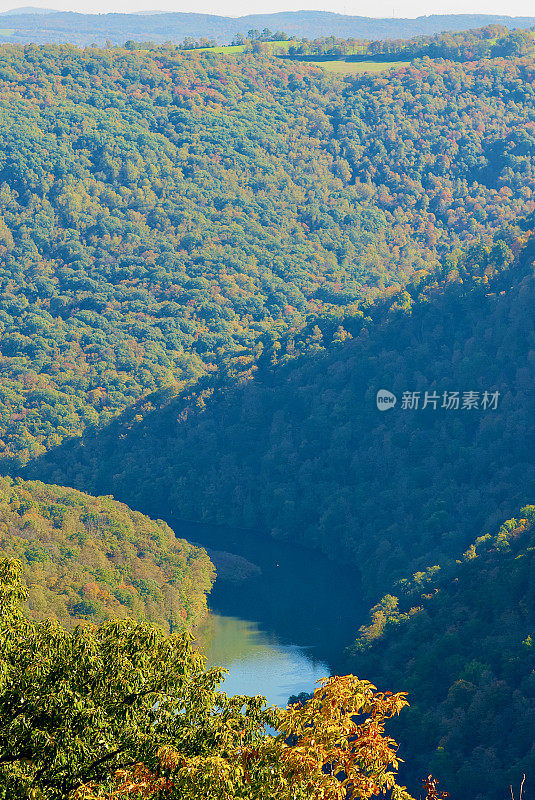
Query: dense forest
{"x": 212, "y": 266}
{"x": 166, "y": 215}
{"x": 302, "y": 453}
{"x": 461, "y": 640}
{"x": 93, "y": 559}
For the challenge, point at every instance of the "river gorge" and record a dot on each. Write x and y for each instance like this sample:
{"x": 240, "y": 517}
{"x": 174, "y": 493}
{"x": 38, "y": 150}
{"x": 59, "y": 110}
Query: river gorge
{"x": 280, "y": 616}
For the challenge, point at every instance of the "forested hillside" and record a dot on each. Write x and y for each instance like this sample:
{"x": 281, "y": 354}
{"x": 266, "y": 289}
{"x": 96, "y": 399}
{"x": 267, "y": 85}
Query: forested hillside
{"x": 303, "y": 453}
{"x": 212, "y": 269}
{"x": 461, "y": 640}
{"x": 93, "y": 559}
{"x": 166, "y": 215}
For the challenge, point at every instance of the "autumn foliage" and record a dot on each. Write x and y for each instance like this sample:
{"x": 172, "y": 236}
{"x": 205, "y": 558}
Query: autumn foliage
{"x": 91, "y": 558}
{"x": 166, "y": 215}
{"x": 122, "y": 711}
{"x": 333, "y": 747}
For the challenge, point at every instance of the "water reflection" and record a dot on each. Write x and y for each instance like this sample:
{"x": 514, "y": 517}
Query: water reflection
{"x": 297, "y": 597}
{"x": 257, "y": 662}
{"x": 282, "y": 615}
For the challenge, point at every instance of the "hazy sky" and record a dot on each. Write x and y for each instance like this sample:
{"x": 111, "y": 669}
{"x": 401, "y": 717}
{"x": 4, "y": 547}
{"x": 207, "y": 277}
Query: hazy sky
{"x": 366, "y": 8}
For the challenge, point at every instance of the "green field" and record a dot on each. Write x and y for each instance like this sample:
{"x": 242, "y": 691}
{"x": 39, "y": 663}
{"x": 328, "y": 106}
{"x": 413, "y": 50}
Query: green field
{"x": 228, "y": 49}
{"x": 272, "y": 47}
{"x": 281, "y": 47}
{"x": 336, "y": 66}
{"x": 7, "y": 31}
{"x": 359, "y": 67}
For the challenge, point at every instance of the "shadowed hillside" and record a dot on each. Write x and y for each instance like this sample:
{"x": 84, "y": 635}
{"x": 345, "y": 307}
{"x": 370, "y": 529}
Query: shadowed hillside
{"x": 302, "y": 452}
{"x": 461, "y": 641}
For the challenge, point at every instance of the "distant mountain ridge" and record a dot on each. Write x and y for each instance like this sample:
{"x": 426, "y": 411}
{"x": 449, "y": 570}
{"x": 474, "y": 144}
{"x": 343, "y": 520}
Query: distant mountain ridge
{"x": 47, "y": 26}
{"x": 27, "y": 10}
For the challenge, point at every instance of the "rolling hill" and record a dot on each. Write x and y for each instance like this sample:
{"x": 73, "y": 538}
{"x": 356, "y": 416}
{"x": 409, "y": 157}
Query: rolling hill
{"x": 90, "y": 559}
{"x": 83, "y": 29}
{"x": 165, "y": 216}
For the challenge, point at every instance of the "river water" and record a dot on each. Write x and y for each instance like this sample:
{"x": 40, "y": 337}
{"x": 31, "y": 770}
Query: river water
{"x": 281, "y": 617}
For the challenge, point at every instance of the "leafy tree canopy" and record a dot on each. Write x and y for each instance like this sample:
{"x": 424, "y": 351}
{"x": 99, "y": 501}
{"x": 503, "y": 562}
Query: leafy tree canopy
{"x": 121, "y": 710}
{"x": 92, "y": 558}
{"x": 167, "y": 215}
{"x": 462, "y": 638}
